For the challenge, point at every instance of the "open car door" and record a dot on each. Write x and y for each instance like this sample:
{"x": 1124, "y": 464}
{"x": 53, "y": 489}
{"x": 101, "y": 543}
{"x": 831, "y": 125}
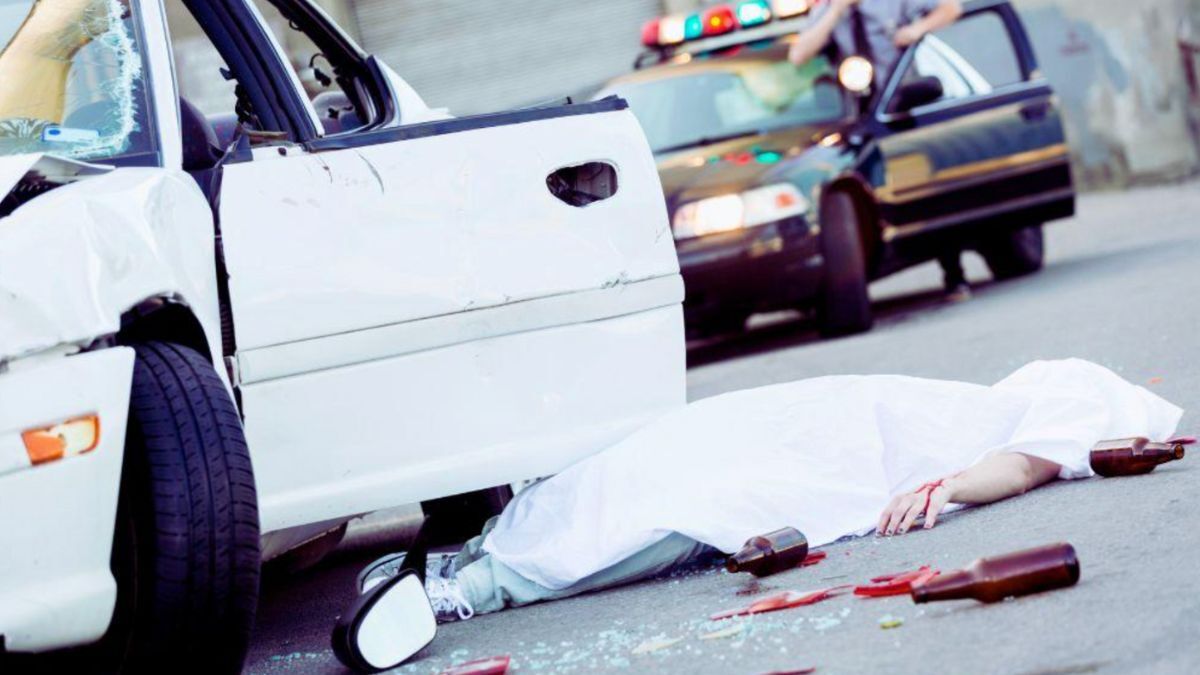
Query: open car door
{"x": 426, "y": 309}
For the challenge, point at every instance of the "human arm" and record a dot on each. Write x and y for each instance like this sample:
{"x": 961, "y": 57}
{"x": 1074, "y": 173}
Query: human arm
{"x": 997, "y": 477}
{"x": 814, "y": 38}
{"x": 946, "y": 13}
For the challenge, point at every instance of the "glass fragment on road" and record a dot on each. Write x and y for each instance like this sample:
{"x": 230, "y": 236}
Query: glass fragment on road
{"x": 656, "y": 643}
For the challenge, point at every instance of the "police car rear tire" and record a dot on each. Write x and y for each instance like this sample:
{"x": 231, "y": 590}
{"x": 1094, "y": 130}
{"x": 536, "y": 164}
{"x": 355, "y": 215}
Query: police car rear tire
{"x": 1015, "y": 254}
{"x": 844, "y": 305}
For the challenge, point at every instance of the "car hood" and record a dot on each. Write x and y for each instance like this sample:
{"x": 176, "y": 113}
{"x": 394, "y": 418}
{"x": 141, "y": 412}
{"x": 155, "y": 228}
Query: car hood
{"x": 736, "y": 165}
{"x": 81, "y": 244}
{"x": 41, "y": 169}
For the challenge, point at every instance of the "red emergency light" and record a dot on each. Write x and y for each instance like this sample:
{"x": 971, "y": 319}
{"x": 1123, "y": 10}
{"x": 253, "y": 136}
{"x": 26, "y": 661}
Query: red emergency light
{"x": 719, "y": 20}
{"x": 650, "y": 32}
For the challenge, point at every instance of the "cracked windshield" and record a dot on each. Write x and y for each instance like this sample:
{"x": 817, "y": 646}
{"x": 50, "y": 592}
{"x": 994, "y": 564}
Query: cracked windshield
{"x": 72, "y": 74}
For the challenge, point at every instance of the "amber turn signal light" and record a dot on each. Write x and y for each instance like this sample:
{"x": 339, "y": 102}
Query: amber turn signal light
{"x": 73, "y": 437}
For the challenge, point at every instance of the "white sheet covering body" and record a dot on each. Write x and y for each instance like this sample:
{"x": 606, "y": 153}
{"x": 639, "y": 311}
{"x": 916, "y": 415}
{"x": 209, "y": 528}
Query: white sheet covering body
{"x": 823, "y": 455}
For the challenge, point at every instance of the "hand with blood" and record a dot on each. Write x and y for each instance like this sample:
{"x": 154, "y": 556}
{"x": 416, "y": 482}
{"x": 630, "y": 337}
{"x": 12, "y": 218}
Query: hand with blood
{"x": 902, "y": 513}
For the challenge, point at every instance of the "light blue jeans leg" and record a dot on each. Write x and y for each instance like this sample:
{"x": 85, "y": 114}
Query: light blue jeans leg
{"x": 490, "y": 586}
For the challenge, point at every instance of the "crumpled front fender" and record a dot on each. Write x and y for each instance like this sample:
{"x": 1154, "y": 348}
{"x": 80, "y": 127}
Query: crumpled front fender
{"x": 74, "y": 259}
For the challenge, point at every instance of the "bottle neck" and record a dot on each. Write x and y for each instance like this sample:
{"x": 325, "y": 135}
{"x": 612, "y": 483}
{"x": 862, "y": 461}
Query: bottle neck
{"x": 950, "y": 586}
{"x": 1164, "y": 452}
{"x": 746, "y": 559}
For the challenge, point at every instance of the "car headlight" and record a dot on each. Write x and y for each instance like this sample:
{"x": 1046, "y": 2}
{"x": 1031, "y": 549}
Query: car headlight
{"x": 738, "y": 211}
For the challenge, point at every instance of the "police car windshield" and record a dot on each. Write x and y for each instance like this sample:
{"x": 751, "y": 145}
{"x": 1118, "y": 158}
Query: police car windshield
{"x": 709, "y": 100}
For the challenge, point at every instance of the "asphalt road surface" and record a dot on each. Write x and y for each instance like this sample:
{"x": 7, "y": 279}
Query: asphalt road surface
{"x": 1122, "y": 288}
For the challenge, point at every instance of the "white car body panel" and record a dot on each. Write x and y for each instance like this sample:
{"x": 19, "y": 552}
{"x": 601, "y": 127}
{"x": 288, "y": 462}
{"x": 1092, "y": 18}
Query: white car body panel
{"x": 445, "y": 260}
{"x": 56, "y": 521}
{"x": 414, "y": 319}
{"x": 445, "y": 421}
{"x": 72, "y": 261}
{"x": 432, "y": 226}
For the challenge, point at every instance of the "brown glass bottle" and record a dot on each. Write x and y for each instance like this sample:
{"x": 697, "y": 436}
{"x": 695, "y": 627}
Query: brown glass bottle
{"x": 770, "y": 553}
{"x": 1132, "y": 456}
{"x": 1007, "y": 576}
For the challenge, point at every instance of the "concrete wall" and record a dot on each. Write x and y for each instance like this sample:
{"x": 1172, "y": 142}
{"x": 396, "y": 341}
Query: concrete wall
{"x": 1121, "y": 73}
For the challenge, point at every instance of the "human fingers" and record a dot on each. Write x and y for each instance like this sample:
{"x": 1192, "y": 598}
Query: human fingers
{"x": 887, "y": 514}
{"x": 897, "y": 514}
{"x": 910, "y": 516}
{"x": 937, "y": 503}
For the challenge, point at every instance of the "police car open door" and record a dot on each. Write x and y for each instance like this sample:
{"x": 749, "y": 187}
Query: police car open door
{"x": 990, "y": 147}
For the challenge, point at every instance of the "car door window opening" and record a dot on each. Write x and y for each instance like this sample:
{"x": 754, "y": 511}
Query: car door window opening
{"x": 332, "y": 72}
{"x": 977, "y": 57}
{"x": 258, "y": 92}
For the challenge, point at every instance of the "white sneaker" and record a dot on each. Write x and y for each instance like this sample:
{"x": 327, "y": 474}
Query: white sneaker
{"x": 436, "y": 565}
{"x": 447, "y": 599}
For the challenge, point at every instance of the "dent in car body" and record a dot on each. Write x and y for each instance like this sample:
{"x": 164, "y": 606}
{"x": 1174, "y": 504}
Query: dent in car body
{"x": 74, "y": 259}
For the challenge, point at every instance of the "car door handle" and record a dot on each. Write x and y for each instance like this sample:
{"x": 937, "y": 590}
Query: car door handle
{"x": 1035, "y": 112}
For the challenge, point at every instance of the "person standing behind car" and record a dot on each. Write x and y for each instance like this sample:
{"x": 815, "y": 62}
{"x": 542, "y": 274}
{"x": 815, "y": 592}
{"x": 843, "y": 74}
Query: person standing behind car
{"x": 879, "y": 31}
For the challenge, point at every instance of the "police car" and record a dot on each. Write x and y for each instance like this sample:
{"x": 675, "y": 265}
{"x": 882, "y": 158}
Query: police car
{"x": 795, "y": 186}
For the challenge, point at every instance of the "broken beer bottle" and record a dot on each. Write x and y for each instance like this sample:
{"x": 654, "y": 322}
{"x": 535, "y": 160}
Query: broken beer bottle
{"x": 770, "y": 553}
{"x": 1132, "y": 456}
{"x": 1007, "y": 576}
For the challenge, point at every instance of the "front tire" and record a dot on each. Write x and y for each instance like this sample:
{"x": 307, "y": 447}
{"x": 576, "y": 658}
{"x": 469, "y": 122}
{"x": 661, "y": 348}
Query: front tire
{"x": 844, "y": 306}
{"x": 1015, "y": 254}
{"x": 186, "y": 555}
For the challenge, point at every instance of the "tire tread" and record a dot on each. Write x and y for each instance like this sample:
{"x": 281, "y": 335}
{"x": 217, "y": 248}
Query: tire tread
{"x": 200, "y": 506}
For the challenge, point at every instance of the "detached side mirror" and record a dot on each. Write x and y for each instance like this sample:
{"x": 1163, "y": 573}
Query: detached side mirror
{"x": 386, "y": 626}
{"x": 916, "y": 93}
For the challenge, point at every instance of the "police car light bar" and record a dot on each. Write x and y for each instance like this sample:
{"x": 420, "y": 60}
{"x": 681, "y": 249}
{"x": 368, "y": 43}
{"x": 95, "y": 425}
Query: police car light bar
{"x": 669, "y": 31}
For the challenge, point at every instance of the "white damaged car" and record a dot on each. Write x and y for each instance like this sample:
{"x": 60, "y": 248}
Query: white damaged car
{"x": 222, "y": 333}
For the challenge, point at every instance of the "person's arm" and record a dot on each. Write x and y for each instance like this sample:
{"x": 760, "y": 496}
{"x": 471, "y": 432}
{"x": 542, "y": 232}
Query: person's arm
{"x": 997, "y": 477}
{"x": 814, "y": 38}
{"x": 946, "y": 13}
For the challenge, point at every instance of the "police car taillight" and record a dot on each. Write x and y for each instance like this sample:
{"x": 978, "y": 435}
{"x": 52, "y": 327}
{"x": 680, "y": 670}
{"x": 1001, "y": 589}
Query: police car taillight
{"x": 673, "y": 30}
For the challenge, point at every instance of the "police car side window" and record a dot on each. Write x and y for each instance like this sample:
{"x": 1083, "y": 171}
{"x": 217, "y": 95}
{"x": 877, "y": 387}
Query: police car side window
{"x": 972, "y": 57}
{"x": 931, "y": 61}
{"x": 984, "y": 46}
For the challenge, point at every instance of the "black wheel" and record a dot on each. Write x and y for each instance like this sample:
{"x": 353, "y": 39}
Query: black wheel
{"x": 462, "y": 516}
{"x": 1015, "y": 254}
{"x": 186, "y": 554}
{"x": 844, "y": 305}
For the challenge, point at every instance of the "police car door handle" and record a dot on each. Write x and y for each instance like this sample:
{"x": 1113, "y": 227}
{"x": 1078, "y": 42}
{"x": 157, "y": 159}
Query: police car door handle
{"x": 1035, "y": 112}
